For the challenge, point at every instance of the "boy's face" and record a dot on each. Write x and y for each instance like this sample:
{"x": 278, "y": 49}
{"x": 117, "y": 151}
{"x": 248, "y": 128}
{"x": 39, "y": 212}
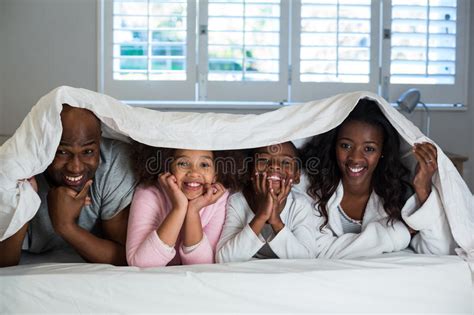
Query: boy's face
{"x": 279, "y": 162}
{"x": 78, "y": 153}
{"x": 193, "y": 169}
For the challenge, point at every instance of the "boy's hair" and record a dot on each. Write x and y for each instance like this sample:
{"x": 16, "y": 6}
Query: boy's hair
{"x": 389, "y": 177}
{"x": 150, "y": 162}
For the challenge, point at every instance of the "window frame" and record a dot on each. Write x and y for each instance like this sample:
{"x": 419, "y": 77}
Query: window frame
{"x": 431, "y": 93}
{"x": 145, "y": 89}
{"x": 305, "y": 91}
{"x": 244, "y": 90}
{"x": 289, "y": 89}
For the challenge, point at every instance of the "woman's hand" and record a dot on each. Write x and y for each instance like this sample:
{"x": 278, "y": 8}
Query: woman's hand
{"x": 33, "y": 183}
{"x": 170, "y": 185}
{"x": 212, "y": 192}
{"x": 426, "y": 155}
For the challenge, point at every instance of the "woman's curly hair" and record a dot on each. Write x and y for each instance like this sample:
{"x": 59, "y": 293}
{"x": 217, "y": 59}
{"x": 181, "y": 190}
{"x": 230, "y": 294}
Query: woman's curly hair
{"x": 149, "y": 162}
{"x": 389, "y": 178}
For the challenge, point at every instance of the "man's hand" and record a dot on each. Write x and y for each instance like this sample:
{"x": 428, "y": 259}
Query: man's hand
{"x": 65, "y": 204}
{"x": 211, "y": 194}
{"x": 170, "y": 185}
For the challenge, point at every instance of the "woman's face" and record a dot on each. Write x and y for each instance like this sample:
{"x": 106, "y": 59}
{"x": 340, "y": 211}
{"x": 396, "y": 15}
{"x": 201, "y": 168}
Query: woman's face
{"x": 358, "y": 150}
{"x": 193, "y": 169}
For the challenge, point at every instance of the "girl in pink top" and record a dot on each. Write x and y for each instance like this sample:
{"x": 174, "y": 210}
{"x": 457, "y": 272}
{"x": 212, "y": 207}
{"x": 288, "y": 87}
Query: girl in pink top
{"x": 176, "y": 217}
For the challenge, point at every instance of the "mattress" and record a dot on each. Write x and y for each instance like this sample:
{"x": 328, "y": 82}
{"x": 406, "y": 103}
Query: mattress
{"x": 392, "y": 283}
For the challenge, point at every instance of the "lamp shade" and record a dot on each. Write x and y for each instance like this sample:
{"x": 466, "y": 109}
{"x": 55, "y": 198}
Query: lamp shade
{"x": 408, "y": 100}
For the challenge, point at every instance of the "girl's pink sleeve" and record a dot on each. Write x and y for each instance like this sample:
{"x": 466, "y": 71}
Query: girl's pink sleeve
{"x": 205, "y": 252}
{"x": 143, "y": 247}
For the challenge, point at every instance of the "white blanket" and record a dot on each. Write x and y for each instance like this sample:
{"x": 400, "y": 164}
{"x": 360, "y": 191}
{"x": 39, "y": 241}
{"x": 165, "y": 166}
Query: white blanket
{"x": 392, "y": 283}
{"x": 33, "y": 146}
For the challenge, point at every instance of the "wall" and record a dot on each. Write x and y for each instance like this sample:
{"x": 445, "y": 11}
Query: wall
{"x": 470, "y": 115}
{"x": 2, "y": 47}
{"x": 48, "y": 43}
{"x": 452, "y": 131}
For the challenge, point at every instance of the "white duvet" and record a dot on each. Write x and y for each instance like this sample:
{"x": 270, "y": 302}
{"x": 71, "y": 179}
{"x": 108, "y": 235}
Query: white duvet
{"x": 393, "y": 283}
{"x": 32, "y": 148}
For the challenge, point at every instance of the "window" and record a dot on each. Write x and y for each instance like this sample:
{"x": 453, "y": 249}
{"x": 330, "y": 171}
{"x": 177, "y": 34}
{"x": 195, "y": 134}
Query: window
{"x": 146, "y": 49}
{"x": 335, "y": 42}
{"x": 282, "y": 50}
{"x": 243, "y": 41}
{"x": 334, "y": 48}
{"x": 426, "y": 50}
{"x": 244, "y": 50}
{"x": 423, "y": 45}
{"x": 149, "y": 41}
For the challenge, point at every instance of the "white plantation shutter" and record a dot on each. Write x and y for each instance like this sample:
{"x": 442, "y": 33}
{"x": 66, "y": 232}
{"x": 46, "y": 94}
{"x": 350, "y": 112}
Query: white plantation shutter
{"x": 246, "y": 50}
{"x": 426, "y": 49}
{"x": 423, "y": 42}
{"x": 244, "y": 40}
{"x": 148, "y": 46}
{"x": 149, "y": 40}
{"x": 282, "y": 50}
{"x": 335, "y": 49}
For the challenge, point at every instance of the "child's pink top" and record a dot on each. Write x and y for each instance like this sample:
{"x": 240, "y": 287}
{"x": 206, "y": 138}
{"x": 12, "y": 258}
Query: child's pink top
{"x": 149, "y": 208}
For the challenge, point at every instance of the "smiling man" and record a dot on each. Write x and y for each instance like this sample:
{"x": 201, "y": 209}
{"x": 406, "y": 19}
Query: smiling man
{"x": 85, "y": 196}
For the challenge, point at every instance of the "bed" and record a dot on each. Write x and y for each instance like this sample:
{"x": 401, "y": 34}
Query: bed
{"x": 393, "y": 283}
{"x": 60, "y": 282}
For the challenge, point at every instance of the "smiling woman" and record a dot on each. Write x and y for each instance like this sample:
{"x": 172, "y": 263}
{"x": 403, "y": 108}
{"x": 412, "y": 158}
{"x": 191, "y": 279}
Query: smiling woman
{"x": 364, "y": 154}
{"x": 361, "y": 189}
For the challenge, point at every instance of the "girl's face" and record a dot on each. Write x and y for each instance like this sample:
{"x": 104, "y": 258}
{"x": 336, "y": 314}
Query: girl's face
{"x": 278, "y": 162}
{"x": 193, "y": 169}
{"x": 358, "y": 149}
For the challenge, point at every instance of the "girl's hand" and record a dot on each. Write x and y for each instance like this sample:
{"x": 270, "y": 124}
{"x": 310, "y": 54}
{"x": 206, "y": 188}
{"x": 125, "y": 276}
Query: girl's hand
{"x": 263, "y": 198}
{"x": 426, "y": 155}
{"x": 170, "y": 185}
{"x": 211, "y": 194}
{"x": 279, "y": 200}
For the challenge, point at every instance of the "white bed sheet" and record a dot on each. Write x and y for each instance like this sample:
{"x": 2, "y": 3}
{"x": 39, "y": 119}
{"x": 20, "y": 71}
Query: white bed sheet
{"x": 392, "y": 283}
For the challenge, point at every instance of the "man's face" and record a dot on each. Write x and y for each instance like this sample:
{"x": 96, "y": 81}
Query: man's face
{"x": 77, "y": 156}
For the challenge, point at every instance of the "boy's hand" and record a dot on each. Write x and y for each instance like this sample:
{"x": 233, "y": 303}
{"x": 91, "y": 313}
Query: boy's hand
{"x": 170, "y": 185}
{"x": 426, "y": 155}
{"x": 65, "y": 204}
{"x": 212, "y": 192}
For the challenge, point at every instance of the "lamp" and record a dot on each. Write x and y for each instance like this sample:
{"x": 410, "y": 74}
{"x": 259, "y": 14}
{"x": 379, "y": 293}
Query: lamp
{"x": 408, "y": 101}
